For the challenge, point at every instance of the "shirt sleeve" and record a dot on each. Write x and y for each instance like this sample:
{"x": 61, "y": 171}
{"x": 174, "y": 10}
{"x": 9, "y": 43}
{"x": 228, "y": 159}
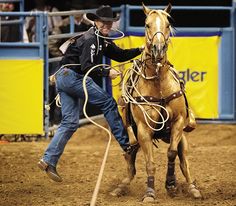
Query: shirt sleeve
{"x": 116, "y": 53}
{"x": 88, "y": 58}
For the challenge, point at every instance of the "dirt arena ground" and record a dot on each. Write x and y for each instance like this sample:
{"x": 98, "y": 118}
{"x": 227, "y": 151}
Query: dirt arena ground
{"x": 212, "y": 159}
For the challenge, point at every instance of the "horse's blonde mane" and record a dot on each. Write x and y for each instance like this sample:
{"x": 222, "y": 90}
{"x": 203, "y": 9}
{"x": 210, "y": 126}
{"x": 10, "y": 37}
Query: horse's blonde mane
{"x": 161, "y": 12}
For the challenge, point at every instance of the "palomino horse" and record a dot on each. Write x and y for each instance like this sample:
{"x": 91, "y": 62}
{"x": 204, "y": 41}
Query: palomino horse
{"x": 158, "y": 106}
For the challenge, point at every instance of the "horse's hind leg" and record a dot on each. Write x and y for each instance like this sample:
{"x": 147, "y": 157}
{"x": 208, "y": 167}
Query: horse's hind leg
{"x": 131, "y": 171}
{"x": 184, "y": 165}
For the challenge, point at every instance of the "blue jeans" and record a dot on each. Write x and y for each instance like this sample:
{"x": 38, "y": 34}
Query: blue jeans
{"x": 70, "y": 87}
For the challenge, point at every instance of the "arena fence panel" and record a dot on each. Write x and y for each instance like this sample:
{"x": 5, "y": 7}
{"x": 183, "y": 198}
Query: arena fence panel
{"x": 23, "y": 77}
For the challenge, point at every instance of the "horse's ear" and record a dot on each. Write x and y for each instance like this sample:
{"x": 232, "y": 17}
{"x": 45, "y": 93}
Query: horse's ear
{"x": 146, "y": 9}
{"x": 168, "y": 8}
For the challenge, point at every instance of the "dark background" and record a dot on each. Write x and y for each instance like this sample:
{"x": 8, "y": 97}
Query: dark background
{"x": 182, "y": 18}
{"x": 86, "y": 4}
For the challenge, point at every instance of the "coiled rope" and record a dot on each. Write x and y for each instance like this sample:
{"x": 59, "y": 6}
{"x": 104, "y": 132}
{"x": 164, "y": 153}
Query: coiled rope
{"x": 128, "y": 98}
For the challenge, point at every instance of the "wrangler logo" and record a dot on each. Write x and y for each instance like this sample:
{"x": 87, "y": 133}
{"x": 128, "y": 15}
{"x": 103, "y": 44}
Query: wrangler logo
{"x": 189, "y": 75}
{"x": 92, "y": 52}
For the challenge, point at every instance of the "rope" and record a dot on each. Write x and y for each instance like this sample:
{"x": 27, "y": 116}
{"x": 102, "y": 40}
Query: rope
{"x": 128, "y": 98}
{"x": 107, "y": 37}
{"x": 96, "y": 189}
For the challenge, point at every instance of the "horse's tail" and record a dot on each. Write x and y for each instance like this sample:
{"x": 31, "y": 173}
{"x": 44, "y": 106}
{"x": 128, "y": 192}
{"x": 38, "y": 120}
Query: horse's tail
{"x": 191, "y": 122}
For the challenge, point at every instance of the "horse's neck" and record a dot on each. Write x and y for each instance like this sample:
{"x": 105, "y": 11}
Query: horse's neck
{"x": 152, "y": 69}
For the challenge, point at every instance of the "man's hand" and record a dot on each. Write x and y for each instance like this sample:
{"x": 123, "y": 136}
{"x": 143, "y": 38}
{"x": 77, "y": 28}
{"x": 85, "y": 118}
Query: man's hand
{"x": 113, "y": 74}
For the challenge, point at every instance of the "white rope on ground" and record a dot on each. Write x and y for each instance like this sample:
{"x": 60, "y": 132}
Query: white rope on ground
{"x": 95, "y": 192}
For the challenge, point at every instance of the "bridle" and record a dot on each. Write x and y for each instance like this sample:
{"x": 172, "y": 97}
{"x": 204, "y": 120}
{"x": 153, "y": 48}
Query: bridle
{"x": 154, "y": 47}
{"x": 150, "y": 40}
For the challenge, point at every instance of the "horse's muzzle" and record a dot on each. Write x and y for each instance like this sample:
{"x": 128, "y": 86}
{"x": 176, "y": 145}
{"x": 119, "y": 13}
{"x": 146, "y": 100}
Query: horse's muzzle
{"x": 158, "y": 52}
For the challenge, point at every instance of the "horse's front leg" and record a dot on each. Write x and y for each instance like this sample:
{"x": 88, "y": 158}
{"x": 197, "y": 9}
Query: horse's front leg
{"x": 184, "y": 165}
{"x": 176, "y": 135}
{"x": 145, "y": 141}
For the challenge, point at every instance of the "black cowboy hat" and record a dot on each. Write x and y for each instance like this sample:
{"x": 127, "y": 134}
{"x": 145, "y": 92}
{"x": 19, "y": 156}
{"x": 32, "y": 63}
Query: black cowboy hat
{"x": 103, "y": 13}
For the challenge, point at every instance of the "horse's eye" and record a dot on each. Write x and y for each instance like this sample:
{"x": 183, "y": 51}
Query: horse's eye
{"x": 168, "y": 26}
{"x": 147, "y": 26}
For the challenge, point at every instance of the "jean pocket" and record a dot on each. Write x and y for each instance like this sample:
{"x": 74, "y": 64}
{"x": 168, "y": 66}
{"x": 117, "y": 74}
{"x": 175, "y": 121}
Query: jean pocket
{"x": 66, "y": 78}
{"x": 66, "y": 72}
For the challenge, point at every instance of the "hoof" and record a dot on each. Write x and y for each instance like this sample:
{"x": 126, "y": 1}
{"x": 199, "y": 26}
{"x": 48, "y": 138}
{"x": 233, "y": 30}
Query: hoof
{"x": 150, "y": 195}
{"x": 194, "y": 192}
{"x": 148, "y": 199}
{"x": 171, "y": 186}
{"x": 118, "y": 192}
{"x": 172, "y": 190}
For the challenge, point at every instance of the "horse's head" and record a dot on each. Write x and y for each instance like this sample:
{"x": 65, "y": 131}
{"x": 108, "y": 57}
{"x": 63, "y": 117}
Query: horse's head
{"x": 157, "y": 31}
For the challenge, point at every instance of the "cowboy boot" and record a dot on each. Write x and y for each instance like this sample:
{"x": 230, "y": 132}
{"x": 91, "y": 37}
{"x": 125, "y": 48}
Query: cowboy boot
{"x": 50, "y": 170}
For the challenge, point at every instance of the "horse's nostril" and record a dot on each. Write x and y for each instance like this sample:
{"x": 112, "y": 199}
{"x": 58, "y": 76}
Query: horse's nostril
{"x": 154, "y": 48}
{"x": 159, "y": 48}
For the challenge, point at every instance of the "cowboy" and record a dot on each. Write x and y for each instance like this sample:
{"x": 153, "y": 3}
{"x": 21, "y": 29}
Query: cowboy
{"x": 82, "y": 54}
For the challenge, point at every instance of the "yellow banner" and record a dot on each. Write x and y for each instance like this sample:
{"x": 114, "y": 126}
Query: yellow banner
{"x": 196, "y": 59}
{"x": 21, "y": 97}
